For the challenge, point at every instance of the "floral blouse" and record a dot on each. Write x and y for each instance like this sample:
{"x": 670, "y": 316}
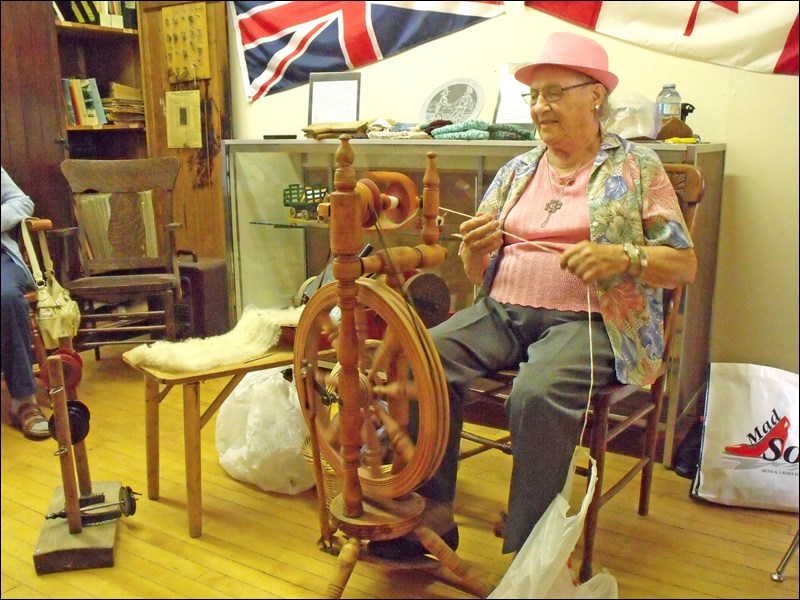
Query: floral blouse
{"x": 631, "y": 200}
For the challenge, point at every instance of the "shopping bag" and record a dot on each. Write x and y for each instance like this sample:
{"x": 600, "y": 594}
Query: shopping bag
{"x": 541, "y": 568}
{"x": 749, "y": 453}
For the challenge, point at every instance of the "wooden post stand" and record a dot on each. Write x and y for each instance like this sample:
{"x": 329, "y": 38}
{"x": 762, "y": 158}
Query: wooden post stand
{"x": 67, "y": 545}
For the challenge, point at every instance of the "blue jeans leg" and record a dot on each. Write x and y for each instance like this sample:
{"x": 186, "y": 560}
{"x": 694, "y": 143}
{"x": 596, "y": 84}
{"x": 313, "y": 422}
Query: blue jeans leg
{"x": 15, "y": 361}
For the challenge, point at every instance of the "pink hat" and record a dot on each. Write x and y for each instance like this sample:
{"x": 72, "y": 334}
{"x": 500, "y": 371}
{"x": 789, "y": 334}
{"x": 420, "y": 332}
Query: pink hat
{"x": 575, "y": 52}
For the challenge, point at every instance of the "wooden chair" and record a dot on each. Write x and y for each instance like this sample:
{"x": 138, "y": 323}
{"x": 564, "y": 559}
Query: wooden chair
{"x": 643, "y": 405}
{"x": 126, "y": 241}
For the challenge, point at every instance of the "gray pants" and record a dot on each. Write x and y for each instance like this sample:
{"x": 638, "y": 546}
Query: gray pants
{"x": 547, "y": 403}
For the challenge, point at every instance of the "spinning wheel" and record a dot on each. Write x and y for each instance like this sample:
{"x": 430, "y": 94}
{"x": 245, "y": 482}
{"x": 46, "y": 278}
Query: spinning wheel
{"x": 387, "y": 366}
{"x": 399, "y": 369}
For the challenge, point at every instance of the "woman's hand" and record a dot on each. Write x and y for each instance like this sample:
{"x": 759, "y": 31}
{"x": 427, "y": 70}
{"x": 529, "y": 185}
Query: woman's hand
{"x": 666, "y": 267}
{"x": 481, "y": 235}
{"x": 591, "y": 261}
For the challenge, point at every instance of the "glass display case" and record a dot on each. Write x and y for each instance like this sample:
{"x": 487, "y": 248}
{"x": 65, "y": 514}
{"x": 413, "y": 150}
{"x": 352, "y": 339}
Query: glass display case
{"x": 276, "y": 239}
{"x": 275, "y": 243}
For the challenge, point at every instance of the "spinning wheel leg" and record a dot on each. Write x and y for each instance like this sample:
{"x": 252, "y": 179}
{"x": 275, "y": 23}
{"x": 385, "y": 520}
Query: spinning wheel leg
{"x": 451, "y": 561}
{"x": 348, "y": 556}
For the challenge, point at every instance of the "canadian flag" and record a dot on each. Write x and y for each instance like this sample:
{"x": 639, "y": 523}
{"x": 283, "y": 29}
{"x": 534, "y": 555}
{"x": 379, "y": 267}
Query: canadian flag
{"x": 755, "y": 36}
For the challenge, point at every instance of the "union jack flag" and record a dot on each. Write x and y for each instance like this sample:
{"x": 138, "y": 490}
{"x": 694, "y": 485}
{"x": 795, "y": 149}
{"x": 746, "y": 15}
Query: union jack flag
{"x": 281, "y": 43}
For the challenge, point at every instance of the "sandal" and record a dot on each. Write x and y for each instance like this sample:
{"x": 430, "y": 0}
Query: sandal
{"x": 30, "y": 420}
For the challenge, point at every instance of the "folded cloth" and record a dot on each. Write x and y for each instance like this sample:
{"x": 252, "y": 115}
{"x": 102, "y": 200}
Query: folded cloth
{"x": 317, "y": 130}
{"x": 509, "y": 131}
{"x": 469, "y": 134}
{"x": 469, "y": 125}
{"x": 400, "y": 135}
{"x": 435, "y": 124}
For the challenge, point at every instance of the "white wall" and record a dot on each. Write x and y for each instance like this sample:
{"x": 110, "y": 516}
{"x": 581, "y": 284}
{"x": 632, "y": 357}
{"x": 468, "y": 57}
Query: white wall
{"x": 755, "y": 316}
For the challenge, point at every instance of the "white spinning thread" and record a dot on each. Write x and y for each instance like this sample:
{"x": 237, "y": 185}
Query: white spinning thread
{"x": 516, "y": 237}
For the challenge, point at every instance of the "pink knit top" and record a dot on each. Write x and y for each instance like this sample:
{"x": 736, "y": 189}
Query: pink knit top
{"x": 527, "y": 275}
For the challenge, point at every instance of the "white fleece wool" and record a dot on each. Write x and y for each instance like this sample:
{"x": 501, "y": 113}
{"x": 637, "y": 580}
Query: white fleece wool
{"x": 256, "y": 332}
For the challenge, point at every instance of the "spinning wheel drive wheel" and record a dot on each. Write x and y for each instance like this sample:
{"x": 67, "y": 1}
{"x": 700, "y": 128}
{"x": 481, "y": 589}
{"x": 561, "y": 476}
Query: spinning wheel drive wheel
{"x": 398, "y": 372}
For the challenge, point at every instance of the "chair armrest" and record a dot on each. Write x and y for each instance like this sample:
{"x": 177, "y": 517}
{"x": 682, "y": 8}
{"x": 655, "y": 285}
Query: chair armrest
{"x": 36, "y": 224}
{"x": 64, "y": 232}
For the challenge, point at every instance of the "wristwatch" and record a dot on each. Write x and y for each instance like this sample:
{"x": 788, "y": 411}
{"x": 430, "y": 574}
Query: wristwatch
{"x": 642, "y": 259}
{"x": 634, "y": 256}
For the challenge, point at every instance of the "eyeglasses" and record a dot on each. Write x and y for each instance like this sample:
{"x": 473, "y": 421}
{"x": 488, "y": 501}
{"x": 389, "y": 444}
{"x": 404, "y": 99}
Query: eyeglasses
{"x": 552, "y": 93}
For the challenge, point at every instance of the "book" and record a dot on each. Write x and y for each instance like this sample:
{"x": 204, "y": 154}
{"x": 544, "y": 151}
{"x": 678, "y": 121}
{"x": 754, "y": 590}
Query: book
{"x": 78, "y": 106}
{"x": 129, "y": 17}
{"x": 86, "y": 12}
{"x": 124, "y": 103}
{"x": 65, "y": 11}
{"x": 68, "y": 102}
{"x": 59, "y": 14}
{"x": 120, "y": 91}
{"x": 108, "y": 16}
{"x": 95, "y": 113}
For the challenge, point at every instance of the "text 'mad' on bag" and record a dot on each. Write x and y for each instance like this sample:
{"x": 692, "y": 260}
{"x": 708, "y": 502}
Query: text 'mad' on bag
{"x": 749, "y": 456}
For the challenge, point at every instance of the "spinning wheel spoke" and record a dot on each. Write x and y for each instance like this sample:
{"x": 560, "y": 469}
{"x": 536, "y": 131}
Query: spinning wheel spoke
{"x": 385, "y": 352}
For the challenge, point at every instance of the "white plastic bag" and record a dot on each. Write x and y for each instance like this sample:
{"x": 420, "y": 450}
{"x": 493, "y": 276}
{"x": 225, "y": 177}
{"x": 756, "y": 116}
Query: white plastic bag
{"x": 541, "y": 569}
{"x": 749, "y": 455}
{"x": 631, "y": 115}
{"x": 260, "y": 432}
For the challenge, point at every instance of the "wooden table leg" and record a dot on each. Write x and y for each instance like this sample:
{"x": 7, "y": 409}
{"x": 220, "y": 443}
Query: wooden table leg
{"x": 151, "y": 401}
{"x": 191, "y": 435}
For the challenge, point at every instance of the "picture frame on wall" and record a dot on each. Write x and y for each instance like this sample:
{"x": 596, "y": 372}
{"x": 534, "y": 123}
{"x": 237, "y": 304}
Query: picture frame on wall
{"x": 334, "y": 97}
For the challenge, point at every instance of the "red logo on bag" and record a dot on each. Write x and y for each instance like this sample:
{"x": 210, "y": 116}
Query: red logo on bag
{"x": 767, "y": 441}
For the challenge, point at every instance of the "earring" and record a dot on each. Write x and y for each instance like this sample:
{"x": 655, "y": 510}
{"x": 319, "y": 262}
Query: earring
{"x": 597, "y": 107}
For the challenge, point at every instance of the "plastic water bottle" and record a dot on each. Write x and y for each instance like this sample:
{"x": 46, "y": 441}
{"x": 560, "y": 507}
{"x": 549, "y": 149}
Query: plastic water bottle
{"x": 668, "y": 103}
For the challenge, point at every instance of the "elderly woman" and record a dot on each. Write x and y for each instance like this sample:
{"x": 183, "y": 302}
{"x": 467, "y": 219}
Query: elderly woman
{"x": 572, "y": 242}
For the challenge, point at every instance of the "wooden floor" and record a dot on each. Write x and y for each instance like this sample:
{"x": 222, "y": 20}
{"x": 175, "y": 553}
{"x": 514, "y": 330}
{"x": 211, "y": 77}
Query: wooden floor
{"x": 263, "y": 545}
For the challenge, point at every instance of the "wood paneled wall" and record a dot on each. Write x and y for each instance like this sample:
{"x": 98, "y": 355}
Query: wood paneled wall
{"x": 199, "y": 191}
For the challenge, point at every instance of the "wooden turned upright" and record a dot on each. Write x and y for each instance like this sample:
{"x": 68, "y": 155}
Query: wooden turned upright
{"x": 392, "y": 511}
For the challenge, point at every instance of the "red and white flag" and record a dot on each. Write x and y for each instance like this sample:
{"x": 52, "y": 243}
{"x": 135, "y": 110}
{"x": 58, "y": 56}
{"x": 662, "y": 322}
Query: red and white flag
{"x": 754, "y": 36}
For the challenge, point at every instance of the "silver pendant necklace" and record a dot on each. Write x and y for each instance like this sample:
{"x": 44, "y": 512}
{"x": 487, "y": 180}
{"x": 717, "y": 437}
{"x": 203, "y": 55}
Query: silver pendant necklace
{"x": 555, "y": 203}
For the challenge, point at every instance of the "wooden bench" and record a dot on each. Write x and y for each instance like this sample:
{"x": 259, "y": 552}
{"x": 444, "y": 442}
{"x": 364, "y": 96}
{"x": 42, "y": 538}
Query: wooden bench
{"x": 157, "y": 384}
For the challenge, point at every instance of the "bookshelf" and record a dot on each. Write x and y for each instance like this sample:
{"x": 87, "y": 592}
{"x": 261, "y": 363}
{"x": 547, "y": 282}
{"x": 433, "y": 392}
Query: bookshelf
{"x": 107, "y": 54}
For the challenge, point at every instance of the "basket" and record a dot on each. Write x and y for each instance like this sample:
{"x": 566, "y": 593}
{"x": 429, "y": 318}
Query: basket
{"x": 331, "y": 481}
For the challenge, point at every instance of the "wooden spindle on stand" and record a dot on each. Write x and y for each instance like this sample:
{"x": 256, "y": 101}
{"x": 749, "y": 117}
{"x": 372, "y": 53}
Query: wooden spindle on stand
{"x": 64, "y": 440}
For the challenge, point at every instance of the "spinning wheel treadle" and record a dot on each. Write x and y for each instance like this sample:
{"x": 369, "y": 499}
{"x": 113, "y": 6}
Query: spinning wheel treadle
{"x": 358, "y": 412}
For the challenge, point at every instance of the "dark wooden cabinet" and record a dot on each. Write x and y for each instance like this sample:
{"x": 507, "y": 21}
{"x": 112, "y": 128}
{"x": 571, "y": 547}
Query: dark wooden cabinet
{"x": 108, "y": 55}
{"x": 37, "y": 51}
{"x": 34, "y": 128}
